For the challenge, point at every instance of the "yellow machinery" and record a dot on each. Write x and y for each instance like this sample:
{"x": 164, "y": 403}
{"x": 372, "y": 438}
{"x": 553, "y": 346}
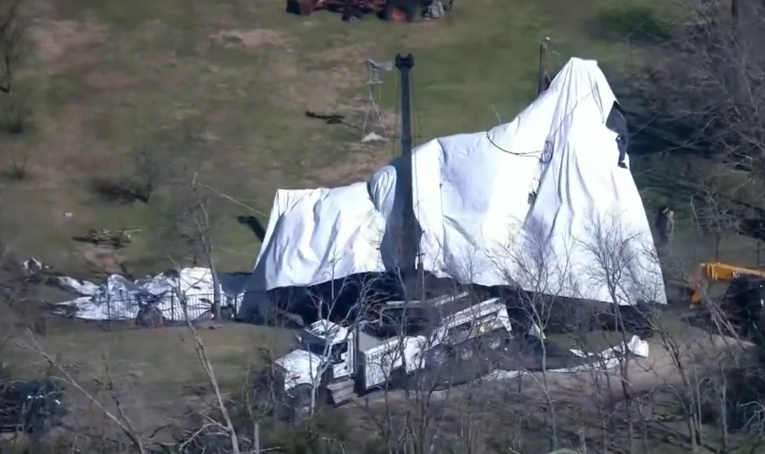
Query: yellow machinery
{"x": 743, "y": 301}
{"x": 720, "y": 272}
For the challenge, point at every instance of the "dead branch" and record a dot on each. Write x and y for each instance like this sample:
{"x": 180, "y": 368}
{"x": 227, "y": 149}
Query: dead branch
{"x": 12, "y": 32}
{"x": 204, "y": 361}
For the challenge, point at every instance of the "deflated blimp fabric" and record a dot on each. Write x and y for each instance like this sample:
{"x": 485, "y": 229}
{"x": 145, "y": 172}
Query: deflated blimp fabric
{"x": 587, "y": 225}
{"x": 472, "y": 201}
{"x": 317, "y": 235}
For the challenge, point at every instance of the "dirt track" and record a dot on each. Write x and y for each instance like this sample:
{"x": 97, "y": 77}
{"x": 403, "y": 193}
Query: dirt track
{"x": 659, "y": 369}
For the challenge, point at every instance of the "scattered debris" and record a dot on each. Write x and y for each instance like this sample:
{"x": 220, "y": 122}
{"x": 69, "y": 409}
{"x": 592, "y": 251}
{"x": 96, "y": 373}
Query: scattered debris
{"x": 34, "y": 266}
{"x": 372, "y": 137}
{"x": 117, "y": 239}
{"x": 153, "y": 301}
{"x": 104, "y": 261}
{"x": 436, "y": 10}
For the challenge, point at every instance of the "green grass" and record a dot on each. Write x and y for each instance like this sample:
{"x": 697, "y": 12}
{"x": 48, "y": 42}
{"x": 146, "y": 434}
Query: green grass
{"x": 154, "y": 359}
{"x": 109, "y": 77}
{"x": 156, "y": 375}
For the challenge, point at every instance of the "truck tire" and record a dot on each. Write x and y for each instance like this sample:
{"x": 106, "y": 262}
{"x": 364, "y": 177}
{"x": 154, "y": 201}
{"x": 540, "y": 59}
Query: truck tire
{"x": 465, "y": 351}
{"x": 406, "y": 10}
{"x": 495, "y": 340}
{"x": 437, "y": 357}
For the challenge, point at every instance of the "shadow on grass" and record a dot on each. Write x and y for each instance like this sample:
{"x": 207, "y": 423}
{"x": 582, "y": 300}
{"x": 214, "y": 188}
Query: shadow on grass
{"x": 121, "y": 192}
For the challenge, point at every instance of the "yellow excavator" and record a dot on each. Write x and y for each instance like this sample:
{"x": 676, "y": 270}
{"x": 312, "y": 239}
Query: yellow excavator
{"x": 743, "y": 301}
{"x": 709, "y": 273}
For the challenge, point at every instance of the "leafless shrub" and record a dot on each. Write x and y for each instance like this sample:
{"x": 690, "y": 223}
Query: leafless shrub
{"x": 153, "y": 167}
{"x": 712, "y": 214}
{"x": 18, "y": 168}
{"x": 702, "y": 96}
{"x": 15, "y": 105}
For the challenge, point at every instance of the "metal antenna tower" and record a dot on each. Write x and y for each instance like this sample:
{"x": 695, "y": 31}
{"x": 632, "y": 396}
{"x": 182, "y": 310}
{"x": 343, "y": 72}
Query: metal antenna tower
{"x": 372, "y": 118}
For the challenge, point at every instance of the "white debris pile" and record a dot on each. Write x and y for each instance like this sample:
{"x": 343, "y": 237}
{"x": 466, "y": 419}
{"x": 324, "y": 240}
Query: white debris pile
{"x": 606, "y": 360}
{"x": 118, "y": 298}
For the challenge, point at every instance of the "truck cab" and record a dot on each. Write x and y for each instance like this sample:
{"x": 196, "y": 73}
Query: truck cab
{"x": 323, "y": 347}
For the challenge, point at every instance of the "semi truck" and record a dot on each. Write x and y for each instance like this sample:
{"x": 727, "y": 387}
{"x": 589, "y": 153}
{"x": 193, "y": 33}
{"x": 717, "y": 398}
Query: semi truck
{"x": 333, "y": 364}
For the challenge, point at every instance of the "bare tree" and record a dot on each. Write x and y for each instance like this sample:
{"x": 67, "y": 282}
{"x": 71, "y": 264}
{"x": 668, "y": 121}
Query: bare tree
{"x": 329, "y": 337}
{"x": 12, "y": 33}
{"x": 543, "y": 274}
{"x": 712, "y": 214}
{"x": 193, "y": 224}
{"x": 151, "y": 169}
{"x": 702, "y": 95}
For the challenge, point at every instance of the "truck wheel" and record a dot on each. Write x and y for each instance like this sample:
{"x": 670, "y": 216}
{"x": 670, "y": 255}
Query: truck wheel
{"x": 495, "y": 340}
{"x": 437, "y": 357}
{"x": 465, "y": 351}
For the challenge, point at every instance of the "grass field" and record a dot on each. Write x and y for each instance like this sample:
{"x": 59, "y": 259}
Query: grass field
{"x": 223, "y": 86}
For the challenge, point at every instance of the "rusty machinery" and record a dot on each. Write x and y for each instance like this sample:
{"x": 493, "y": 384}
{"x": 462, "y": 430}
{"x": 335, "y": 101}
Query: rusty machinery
{"x": 391, "y": 10}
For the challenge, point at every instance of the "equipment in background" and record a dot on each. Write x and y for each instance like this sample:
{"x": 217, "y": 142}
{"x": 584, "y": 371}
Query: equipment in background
{"x": 742, "y": 304}
{"x": 390, "y": 10}
{"x": 373, "y": 121}
{"x": 717, "y": 272}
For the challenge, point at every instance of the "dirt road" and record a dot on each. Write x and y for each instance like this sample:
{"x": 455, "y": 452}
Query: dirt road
{"x": 658, "y": 369}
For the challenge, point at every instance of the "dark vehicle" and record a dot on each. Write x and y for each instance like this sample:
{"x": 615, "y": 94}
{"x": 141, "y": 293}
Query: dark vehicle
{"x": 743, "y": 306}
{"x": 33, "y": 406}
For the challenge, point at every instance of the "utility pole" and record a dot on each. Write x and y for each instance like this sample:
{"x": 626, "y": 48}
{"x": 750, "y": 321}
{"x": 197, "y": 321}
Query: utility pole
{"x": 409, "y": 241}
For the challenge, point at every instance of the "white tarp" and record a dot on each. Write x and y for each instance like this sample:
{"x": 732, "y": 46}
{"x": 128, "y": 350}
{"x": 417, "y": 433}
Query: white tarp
{"x": 118, "y": 298}
{"x": 472, "y": 202}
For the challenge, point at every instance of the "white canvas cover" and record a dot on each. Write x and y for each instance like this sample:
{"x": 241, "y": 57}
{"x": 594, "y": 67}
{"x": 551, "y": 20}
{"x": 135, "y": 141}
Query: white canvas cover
{"x": 472, "y": 202}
